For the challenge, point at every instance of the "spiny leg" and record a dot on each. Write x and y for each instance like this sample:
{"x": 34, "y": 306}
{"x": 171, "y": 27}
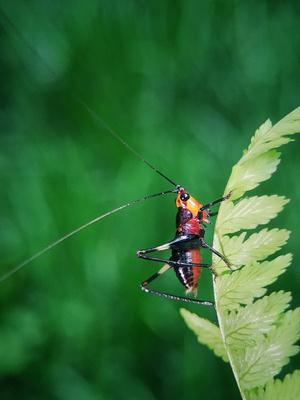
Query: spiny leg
{"x": 206, "y": 206}
{"x": 207, "y": 246}
{"x": 178, "y": 263}
{"x": 170, "y": 296}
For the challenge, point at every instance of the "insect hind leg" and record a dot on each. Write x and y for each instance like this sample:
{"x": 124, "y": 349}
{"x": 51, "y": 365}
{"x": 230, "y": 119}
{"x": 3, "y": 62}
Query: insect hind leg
{"x": 170, "y": 296}
{"x": 153, "y": 277}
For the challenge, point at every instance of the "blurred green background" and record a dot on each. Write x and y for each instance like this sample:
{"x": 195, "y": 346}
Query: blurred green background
{"x": 185, "y": 84}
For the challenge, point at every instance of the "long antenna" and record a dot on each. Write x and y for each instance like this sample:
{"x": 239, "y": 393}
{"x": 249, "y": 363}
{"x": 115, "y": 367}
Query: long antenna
{"x": 109, "y": 129}
{"x": 81, "y": 102}
{"x": 28, "y": 260}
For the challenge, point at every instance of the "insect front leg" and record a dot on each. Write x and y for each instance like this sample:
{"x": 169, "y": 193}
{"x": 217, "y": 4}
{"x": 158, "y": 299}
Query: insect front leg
{"x": 207, "y": 206}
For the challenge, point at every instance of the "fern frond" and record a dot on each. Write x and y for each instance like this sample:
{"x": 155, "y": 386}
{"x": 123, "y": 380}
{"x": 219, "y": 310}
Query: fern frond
{"x": 257, "y": 337}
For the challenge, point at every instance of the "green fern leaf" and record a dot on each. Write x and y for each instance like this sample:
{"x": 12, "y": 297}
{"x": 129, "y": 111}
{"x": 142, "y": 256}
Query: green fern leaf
{"x": 257, "y": 337}
{"x": 251, "y": 323}
{"x": 259, "y": 161}
{"x": 258, "y": 364}
{"x": 249, "y": 213}
{"x": 269, "y": 137}
{"x": 256, "y": 248}
{"x": 249, "y": 174}
{"x": 207, "y": 333}
{"x": 242, "y": 286}
{"x": 289, "y": 389}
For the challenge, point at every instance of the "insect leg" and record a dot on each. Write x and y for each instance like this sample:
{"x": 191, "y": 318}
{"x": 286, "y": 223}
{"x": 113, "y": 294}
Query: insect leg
{"x": 206, "y": 206}
{"x": 178, "y": 263}
{"x": 156, "y": 275}
{"x": 212, "y": 214}
{"x": 170, "y": 296}
{"x": 184, "y": 242}
{"x": 207, "y": 246}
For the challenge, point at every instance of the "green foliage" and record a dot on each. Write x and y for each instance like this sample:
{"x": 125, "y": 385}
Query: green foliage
{"x": 182, "y": 82}
{"x": 256, "y": 334}
{"x": 289, "y": 388}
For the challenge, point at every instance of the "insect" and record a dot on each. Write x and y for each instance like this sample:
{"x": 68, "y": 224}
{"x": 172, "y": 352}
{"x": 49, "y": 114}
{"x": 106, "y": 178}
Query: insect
{"x": 189, "y": 239}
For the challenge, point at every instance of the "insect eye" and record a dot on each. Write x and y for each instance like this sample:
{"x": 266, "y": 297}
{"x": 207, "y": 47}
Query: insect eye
{"x": 184, "y": 196}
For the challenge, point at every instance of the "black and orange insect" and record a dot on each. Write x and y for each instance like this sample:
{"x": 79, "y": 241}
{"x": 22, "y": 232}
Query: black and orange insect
{"x": 186, "y": 246}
